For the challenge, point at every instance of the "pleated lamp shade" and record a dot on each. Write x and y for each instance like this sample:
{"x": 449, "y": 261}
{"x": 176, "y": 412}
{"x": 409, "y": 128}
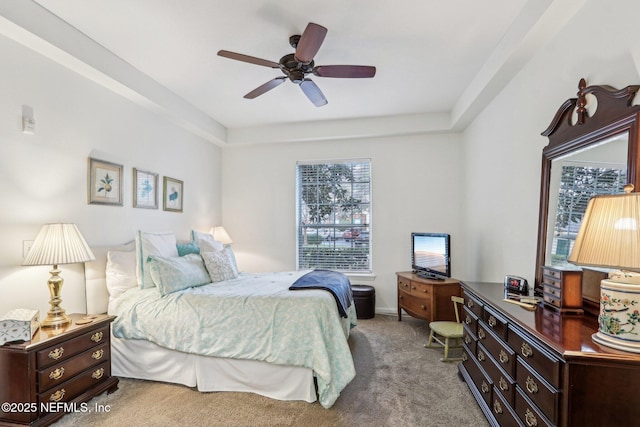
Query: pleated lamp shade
{"x": 609, "y": 234}
{"x": 59, "y": 244}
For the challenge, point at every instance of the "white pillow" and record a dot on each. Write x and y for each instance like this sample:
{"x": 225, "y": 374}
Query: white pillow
{"x": 206, "y": 242}
{"x": 120, "y": 272}
{"x": 219, "y": 265}
{"x": 159, "y": 244}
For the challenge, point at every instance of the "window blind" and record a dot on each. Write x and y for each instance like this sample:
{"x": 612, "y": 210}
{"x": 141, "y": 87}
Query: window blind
{"x": 334, "y": 215}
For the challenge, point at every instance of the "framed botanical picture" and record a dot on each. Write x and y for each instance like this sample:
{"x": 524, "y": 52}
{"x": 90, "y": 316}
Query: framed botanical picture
{"x": 104, "y": 183}
{"x": 172, "y": 194}
{"x": 145, "y": 189}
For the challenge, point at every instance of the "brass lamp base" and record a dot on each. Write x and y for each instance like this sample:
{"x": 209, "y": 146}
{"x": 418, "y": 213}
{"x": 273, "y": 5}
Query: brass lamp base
{"x": 56, "y": 316}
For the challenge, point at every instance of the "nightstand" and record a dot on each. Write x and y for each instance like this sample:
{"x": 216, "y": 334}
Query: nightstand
{"x": 55, "y": 372}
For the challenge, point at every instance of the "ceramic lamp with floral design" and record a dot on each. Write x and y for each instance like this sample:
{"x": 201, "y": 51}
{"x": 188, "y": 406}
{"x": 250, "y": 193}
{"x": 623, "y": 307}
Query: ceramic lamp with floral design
{"x": 609, "y": 237}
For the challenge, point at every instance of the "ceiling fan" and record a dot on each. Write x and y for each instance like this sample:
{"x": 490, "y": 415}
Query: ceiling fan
{"x": 296, "y": 66}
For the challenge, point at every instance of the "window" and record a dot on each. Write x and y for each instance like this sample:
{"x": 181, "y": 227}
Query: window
{"x": 578, "y": 184}
{"x": 334, "y": 215}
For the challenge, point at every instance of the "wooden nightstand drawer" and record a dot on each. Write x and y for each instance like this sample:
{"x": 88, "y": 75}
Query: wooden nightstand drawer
{"x": 60, "y": 352}
{"x": 59, "y": 373}
{"x": 420, "y": 290}
{"x": 68, "y": 390}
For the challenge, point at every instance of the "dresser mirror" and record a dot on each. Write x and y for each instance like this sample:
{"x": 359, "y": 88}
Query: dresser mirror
{"x": 593, "y": 149}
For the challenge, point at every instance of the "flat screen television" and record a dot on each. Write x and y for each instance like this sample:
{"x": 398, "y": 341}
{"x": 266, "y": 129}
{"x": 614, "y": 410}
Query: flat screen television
{"x": 431, "y": 255}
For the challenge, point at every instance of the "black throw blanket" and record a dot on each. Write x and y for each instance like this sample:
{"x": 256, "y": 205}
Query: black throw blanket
{"x": 336, "y": 283}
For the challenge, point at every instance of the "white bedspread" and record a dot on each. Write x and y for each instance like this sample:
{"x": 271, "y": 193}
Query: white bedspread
{"x": 252, "y": 317}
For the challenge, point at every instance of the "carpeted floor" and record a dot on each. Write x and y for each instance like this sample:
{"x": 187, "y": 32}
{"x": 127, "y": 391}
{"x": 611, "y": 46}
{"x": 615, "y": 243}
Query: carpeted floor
{"x": 398, "y": 383}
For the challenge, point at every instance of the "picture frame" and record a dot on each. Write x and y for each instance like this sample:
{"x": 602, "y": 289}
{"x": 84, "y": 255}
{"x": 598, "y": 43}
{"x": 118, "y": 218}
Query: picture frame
{"x": 104, "y": 184}
{"x": 145, "y": 189}
{"x": 172, "y": 194}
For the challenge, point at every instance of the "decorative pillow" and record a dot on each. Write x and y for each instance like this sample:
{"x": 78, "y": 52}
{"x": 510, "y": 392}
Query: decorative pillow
{"x": 206, "y": 242}
{"x": 120, "y": 272}
{"x": 219, "y": 266}
{"x": 187, "y": 248}
{"x": 159, "y": 244}
{"x": 177, "y": 273}
{"x": 232, "y": 257}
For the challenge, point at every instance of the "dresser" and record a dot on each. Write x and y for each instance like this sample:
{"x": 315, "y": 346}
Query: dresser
{"x": 426, "y": 299}
{"x": 541, "y": 368}
{"x": 56, "y": 372}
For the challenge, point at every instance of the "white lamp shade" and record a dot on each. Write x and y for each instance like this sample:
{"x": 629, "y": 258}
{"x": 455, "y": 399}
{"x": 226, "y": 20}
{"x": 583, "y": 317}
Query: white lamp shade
{"x": 221, "y": 235}
{"x": 59, "y": 244}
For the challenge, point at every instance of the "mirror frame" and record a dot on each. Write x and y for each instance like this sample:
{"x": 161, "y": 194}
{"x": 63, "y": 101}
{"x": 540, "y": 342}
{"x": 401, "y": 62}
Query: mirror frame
{"x": 614, "y": 115}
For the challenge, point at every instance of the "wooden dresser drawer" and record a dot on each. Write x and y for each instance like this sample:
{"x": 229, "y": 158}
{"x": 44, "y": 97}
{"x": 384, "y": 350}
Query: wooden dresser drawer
{"x": 61, "y": 352}
{"x": 528, "y": 412}
{"x": 473, "y": 304}
{"x": 420, "y": 290}
{"x": 482, "y": 383}
{"x": 469, "y": 339}
{"x": 502, "y": 353}
{"x": 498, "y": 377}
{"x": 503, "y": 412}
{"x": 496, "y": 322}
{"x": 543, "y": 395}
{"x": 545, "y": 364}
{"x": 59, "y": 373}
{"x": 418, "y": 307}
{"x": 404, "y": 284}
{"x": 70, "y": 389}
{"x": 470, "y": 319}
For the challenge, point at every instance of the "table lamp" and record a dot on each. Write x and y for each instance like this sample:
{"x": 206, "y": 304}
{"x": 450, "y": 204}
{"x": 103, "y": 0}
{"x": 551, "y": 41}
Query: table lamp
{"x": 609, "y": 236}
{"x": 221, "y": 235}
{"x": 58, "y": 244}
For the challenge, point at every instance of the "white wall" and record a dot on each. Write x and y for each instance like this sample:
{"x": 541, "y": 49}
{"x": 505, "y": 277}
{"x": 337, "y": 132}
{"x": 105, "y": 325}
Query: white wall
{"x": 416, "y": 187}
{"x": 503, "y": 147}
{"x": 43, "y": 176}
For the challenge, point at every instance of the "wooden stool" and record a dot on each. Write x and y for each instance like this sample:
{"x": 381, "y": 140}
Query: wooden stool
{"x": 364, "y": 297}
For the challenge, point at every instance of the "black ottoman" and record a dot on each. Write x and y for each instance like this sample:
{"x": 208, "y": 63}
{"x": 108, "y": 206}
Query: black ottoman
{"x": 364, "y": 297}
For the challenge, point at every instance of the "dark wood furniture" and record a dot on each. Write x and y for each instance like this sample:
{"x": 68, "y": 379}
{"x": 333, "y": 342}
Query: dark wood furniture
{"x": 541, "y": 367}
{"x": 426, "y": 299}
{"x": 562, "y": 289}
{"x": 55, "y": 372}
{"x": 615, "y": 117}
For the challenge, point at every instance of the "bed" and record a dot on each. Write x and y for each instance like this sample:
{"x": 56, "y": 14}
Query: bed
{"x": 250, "y": 334}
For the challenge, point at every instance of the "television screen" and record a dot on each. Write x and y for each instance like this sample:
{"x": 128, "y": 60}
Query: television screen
{"x": 430, "y": 254}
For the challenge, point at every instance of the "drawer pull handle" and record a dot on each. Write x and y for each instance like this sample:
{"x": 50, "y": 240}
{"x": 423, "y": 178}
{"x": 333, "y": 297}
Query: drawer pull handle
{"x": 504, "y": 357}
{"x": 467, "y": 320}
{"x": 97, "y": 337}
{"x": 497, "y": 407}
{"x": 57, "y": 396}
{"x": 481, "y": 356}
{"x": 484, "y": 387}
{"x": 97, "y": 355}
{"x": 470, "y": 304}
{"x": 492, "y": 321}
{"x": 503, "y": 384}
{"x": 467, "y": 339}
{"x": 481, "y": 334}
{"x": 56, "y": 374}
{"x": 531, "y": 385}
{"x": 526, "y": 350}
{"x": 56, "y": 353}
{"x": 425, "y": 291}
{"x": 530, "y": 418}
{"x": 98, "y": 374}
{"x": 464, "y": 357}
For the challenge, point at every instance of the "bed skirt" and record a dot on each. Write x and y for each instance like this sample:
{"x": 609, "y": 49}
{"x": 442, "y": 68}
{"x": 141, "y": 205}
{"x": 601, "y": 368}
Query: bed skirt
{"x": 147, "y": 361}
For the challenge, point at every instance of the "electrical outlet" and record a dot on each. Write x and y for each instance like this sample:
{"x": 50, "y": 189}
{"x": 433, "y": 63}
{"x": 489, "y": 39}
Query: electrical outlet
{"x": 26, "y": 247}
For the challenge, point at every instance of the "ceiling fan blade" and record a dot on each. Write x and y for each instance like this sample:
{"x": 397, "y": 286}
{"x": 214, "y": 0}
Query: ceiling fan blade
{"x": 265, "y": 87}
{"x": 313, "y": 92}
{"x": 310, "y": 42}
{"x": 345, "y": 71}
{"x": 247, "y": 58}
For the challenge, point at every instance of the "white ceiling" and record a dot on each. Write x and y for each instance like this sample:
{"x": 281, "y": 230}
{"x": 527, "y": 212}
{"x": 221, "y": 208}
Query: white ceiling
{"x": 436, "y": 60}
